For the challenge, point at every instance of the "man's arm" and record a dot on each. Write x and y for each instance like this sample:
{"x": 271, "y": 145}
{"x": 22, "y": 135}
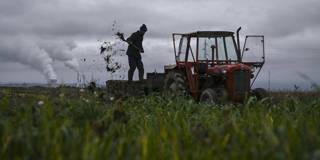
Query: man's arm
{"x": 131, "y": 38}
{"x": 128, "y": 40}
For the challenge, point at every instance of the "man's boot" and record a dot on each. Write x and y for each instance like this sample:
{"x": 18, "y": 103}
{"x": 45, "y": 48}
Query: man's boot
{"x": 141, "y": 73}
{"x": 130, "y": 75}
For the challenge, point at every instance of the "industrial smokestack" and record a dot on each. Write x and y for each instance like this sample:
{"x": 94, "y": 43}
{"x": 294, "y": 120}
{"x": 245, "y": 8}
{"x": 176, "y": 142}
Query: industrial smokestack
{"x": 39, "y": 54}
{"x": 28, "y": 53}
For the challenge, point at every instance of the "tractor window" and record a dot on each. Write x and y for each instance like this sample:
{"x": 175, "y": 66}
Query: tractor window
{"x": 231, "y": 50}
{"x": 182, "y": 49}
{"x": 221, "y": 49}
{"x": 205, "y": 50}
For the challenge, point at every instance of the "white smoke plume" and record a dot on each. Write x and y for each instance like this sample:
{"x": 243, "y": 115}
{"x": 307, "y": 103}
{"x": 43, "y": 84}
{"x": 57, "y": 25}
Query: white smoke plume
{"x": 62, "y": 51}
{"x": 39, "y": 55}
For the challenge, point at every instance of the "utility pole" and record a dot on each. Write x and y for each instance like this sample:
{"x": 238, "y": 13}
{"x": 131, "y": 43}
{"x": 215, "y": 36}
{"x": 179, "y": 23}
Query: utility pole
{"x": 269, "y": 80}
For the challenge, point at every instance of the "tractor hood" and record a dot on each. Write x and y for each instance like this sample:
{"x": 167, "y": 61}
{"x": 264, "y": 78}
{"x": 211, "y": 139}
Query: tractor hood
{"x": 218, "y": 69}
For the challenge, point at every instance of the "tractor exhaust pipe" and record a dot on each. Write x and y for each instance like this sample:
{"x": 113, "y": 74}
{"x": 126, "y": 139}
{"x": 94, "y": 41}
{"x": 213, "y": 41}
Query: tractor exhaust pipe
{"x": 238, "y": 40}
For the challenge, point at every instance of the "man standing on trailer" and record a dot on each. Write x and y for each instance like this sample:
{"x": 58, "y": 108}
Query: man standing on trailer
{"x": 134, "y": 51}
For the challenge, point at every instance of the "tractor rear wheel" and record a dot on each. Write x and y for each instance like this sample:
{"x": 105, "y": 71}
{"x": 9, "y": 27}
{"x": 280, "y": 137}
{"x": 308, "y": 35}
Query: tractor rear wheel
{"x": 175, "y": 84}
{"x": 213, "y": 96}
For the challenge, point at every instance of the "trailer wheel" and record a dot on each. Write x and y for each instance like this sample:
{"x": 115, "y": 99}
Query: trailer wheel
{"x": 213, "y": 96}
{"x": 175, "y": 84}
{"x": 260, "y": 93}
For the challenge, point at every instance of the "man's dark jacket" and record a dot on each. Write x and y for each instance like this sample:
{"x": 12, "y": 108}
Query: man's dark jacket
{"x": 136, "y": 39}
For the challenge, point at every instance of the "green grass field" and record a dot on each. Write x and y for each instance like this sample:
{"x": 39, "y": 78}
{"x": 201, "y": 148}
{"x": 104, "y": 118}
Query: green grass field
{"x": 70, "y": 124}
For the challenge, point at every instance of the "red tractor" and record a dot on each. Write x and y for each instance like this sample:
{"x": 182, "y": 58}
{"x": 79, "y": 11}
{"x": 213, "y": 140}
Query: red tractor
{"x": 210, "y": 67}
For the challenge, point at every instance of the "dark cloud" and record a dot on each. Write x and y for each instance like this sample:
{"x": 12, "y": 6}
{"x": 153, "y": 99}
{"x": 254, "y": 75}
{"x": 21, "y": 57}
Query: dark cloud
{"x": 84, "y": 19}
{"x": 291, "y": 28}
{"x": 292, "y": 17}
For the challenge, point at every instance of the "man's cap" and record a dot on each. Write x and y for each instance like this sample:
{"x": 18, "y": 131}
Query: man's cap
{"x": 143, "y": 28}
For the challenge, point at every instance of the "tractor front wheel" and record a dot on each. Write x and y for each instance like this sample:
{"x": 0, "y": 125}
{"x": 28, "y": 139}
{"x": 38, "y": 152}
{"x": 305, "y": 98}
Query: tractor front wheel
{"x": 213, "y": 96}
{"x": 175, "y": 84}
{"x": 260, "y": 93}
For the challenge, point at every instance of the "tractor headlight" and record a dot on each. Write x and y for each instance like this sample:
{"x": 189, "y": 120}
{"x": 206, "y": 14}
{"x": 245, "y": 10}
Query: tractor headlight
{"x": 223, "y": 71}
{"x": 253, "y": 69}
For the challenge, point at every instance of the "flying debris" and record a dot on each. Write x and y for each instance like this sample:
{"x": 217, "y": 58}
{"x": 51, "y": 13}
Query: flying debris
{"x": 105, "y": 47}
{"x": 102, "y": 49}
{"x": 113, "y": 53}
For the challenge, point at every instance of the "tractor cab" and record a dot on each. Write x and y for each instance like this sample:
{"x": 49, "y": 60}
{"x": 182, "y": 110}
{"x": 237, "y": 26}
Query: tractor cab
{"x": 211, "y": 65}
{"x": 207, "y": 51}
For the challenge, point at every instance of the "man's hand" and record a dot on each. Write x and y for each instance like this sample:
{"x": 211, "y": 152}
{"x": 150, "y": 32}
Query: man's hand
{"x": 120, "y": 35}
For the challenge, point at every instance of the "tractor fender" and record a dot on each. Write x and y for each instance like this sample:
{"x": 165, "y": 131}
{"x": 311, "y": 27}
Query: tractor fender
{"x": 170, "y": 67}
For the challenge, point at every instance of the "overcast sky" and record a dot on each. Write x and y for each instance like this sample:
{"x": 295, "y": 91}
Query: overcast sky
{"x": 42, "y": 39}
